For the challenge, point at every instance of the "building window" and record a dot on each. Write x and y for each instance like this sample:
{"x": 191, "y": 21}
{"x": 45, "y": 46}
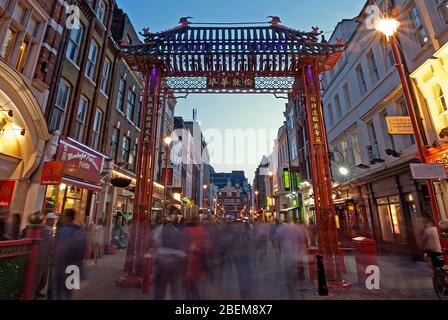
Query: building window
{"x": 91, "y": 60}
{"x": 391, "y": 58}
{"x": 8, "y": 44}
{"x": 97, "y": 129}
{"x": 121, "y": 93}
{"x": 442, "y": 7}
{"x": 126, "y": 149}
{"x": 114, "y": 144}
{"x": 355, "y": 149}
{"x": 361, "y": 80}
{"x": 137, "y": 115}
{"x": 375, "y": 152}
{"x": 133, "y": 157}
{"x": 19, "y": 13}
{"x": 105, "y": 76}
{"x": 81, "y": 118}
{"x": 442, "y": 109}
{"x": 330, "y": 115}
{"x": 101, "y": 11}
{"x": 74, "y": 44}
{"x": 373, "y": 67}
{"x": 348, "y": 102}
{"x": 130, "y": 106}
{"x": 33, "y": 26}
{"x": 23, "y": 52}
{"x": 337, "y": 103}
{"x": 58, "y": 114}
{"x": 419, "y": 29}
{"x": 388, "y": 138}
{"x": 391, "y": 219}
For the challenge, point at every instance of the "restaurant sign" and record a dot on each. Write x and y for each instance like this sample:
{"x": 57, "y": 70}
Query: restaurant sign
{"x": 79, "y": 161}
{"x": 230, "y": 82}
{"x": 428, "y": 171}
{"x": 52, "y": 173}
{"x": 399, "y": 125}
{"x": 6, "y": 191}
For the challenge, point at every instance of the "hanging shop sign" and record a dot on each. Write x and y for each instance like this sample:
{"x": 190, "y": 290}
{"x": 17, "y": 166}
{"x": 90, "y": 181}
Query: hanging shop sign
{"x": 428, "y": 171}
{"x": 438, "y": 155}
{"x": 399, "y": 125}
{"x": 167, "y": 175}
{"x": 286, "y": 179}
{"x": 6, "y": 191}
{"x": 222, "y": 81}
{"x": 79, "y": 161}
{"x": 52, "y": 173}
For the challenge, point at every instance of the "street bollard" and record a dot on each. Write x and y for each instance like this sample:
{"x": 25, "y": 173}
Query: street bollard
{"x": 312, "y": 265}
{"x": 321, "y": 280}
{"x": 147, "y": 273}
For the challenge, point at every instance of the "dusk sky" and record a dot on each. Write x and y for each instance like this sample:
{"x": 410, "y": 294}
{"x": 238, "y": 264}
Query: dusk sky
{"x": 223, "y": 112}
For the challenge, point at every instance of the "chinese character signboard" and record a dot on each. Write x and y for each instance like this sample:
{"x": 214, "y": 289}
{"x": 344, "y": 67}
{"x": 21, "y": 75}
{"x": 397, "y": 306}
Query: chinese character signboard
{"x": 230, "y": 82}
{"x": 79, "y": 161}
{"x": 6, "y": 191}
{"x": 399, "y": 125}
{"x": 438, "y": 155}
{"x": 316, "y": 121}
{"x": 52, "y": 173}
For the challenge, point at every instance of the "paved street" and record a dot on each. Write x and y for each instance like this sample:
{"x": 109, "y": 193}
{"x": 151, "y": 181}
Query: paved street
{"x": 400, "y": 279}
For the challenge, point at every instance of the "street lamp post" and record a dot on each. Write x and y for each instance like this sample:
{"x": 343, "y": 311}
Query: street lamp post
{"x": 256, "y": 200}
{"x": 271, "y": 187}
{"x": 389, "y": 28}
{"x": 167, "y": 141}
{"x": 205, "y": 191}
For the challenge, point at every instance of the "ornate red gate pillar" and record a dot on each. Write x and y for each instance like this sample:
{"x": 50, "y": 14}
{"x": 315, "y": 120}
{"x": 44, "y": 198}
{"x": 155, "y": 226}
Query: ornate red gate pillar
{"x": 321, "y": 176}
{"x": 141, "y": 220}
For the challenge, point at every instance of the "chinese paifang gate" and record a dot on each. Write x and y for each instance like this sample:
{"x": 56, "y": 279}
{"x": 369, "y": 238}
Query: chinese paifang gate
{"x": 233, "y": 58}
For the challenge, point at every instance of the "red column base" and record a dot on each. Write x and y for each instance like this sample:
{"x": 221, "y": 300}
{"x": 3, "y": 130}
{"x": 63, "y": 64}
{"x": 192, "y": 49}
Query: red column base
{"x": 127, "y": 281}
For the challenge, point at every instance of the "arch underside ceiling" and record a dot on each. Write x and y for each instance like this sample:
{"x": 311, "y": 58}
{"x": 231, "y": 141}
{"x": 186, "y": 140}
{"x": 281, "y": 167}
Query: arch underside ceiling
{"x": 271, "y": 57}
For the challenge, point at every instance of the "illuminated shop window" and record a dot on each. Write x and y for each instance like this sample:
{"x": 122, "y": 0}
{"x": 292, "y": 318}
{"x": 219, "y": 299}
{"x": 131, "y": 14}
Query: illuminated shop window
{"x": 391, "y": 219}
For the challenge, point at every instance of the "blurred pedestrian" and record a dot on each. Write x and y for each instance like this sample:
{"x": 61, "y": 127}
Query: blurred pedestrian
{"x": 13, "y": 227}
{"x": 46, "y": 252}
{"x": 169, "y": 260}
{"x": 199, "y": 245}
{"x": 98, "y": 240}
{"x": 431, "y": 244}
{"x": 70, "y": 249}
{"x": 5, "y": 214}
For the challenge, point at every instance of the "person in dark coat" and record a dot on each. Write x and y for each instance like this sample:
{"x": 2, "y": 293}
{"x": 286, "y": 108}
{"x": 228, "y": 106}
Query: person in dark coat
{"x": 70, "y": 248}
{"x": 5, "y": 214}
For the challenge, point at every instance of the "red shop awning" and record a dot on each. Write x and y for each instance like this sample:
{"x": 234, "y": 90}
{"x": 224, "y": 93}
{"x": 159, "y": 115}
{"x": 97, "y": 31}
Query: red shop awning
{"x": 81, "y": 184}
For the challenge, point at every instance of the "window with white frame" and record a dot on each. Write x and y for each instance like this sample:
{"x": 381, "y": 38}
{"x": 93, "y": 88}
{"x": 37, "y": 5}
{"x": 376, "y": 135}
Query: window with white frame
{"x": 81, "y": 118}
{"x": 355, "y": 151}
{"x": 115, "y": 141}
{"x": 442, "y": 8}
{"x": 97, "y": 129}
{"x": 419, "y": 30}
{"x": 347, "y": 99}
{"x": 74, "y": 44}
{"x": 126, "y": 149}
{"x": 101, "y": 11}
{"x": 91, "y": 60}
{"x": 8, "y": 44}
{"x": 121, "y": 95}
{"x": 330, "y": 115}
{"x": 361, "y": 80}
{"x": 373, "y": 67}
{"x": 441, "y": 118}
{"x": 337, "y": 103}
{"x": 60, "y": 107}
{"x": 130, "y": 106}
{"x": 105, "y": 76}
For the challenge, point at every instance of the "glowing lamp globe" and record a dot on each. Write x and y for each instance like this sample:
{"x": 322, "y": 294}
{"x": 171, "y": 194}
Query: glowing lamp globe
{"x": 388, "y": 27}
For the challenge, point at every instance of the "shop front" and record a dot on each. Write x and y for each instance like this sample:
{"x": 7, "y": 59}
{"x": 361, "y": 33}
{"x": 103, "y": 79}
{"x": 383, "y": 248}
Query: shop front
{"x": 80, "y": 183}
{"x": 23, "y": 138}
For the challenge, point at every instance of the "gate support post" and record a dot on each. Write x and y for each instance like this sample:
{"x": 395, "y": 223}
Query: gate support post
{"x": 141, "y": 219}
{"x": 321, "y": 176}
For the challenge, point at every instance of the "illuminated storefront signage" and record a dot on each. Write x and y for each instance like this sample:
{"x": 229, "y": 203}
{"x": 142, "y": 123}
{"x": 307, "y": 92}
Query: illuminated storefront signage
{"x": 438, "y": 155}
{"x": 286, "y": 179}
{"x": 52, "y": 173}
{"x": 230, "y": 82}
{"x": 316, "y": 121}
{"x": 399, "y": 125}
{"x": 6, "y": 191}
{"x": 79, "y": 161}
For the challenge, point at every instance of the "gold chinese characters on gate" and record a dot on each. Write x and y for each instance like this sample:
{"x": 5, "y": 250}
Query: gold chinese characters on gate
{"x": 230, "y": 82}
{"x": 315, "y": 120}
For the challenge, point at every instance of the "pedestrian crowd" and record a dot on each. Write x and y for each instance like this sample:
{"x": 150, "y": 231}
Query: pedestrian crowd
{"x": 64, "y": 243}
{"x": 191, "y": 257}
